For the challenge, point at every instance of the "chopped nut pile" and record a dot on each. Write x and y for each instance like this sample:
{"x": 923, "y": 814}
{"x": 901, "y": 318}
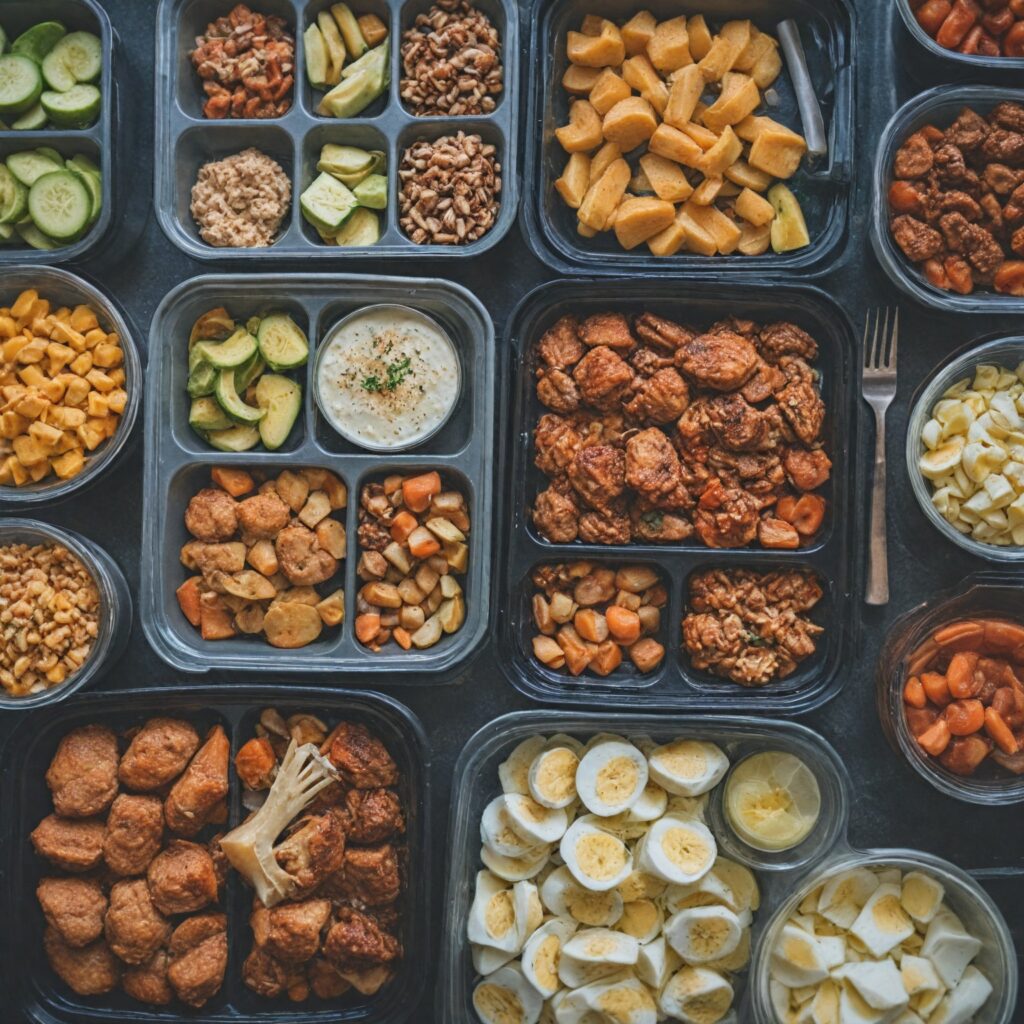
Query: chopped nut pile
{"x": 450, "y": 61}
{"x": 49, "y": 616}
{"x": 62, "y": 387}
{"x": 247, "y": 64}
{"x": 449, "y": 190}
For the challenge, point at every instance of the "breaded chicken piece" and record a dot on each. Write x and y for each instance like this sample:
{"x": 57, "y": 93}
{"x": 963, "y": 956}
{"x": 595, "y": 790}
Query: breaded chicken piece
{"x": 83, "y": 773}
{"x": 158, "y": 754}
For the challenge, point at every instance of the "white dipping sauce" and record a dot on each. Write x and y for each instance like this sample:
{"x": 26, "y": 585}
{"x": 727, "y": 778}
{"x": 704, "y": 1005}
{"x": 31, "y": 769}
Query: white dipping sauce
{"x": 388, "y": 377}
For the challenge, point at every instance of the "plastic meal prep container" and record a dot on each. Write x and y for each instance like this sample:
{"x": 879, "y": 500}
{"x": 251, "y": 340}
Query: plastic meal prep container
{"x": 779, "y": 875}
{"x": 964, "y": 62}
{"x": 115, "y": 611}
{"x": 823, "y": 185}
{"x": 938, "y": 106}
{"x": 96, "y": 142}
{"x": 185, "y": 139}
{"x": 675, "y": 683}
{"x": 178, "y": 463}
{"x": 62, "y": 287}
{"x": 42, "y": 998}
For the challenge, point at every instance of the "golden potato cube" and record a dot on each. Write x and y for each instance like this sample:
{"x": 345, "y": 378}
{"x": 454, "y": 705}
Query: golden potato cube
{"x": 754, "y": 208}
{"x": 755, "y": 240}
{"x": 31, "y": 405}
{"x": 575, "y": 180}
{"x": 24, "y": 303}
{"x": 698, "y": 238}
{"x": 675, "y": 145}
{"x": 700, "y": 37}
{"x": 31, "y": 376}
{"x": 759, "y": 45}
{"x": 727, "y": 150}
{"x": 630, "y": 123}
{"x": 48, "y": 436}
{"x": 83, "y": 319}
{"x": 641, "y": 218}
{"x": 639, "y": 184}
{"x": 669, "y": 47}
{"x": 739, "y": 97}
{"x": 637, "y": 32}
{"x": 8, "y": 327}
{"x": 704, "y": 137}
{"x": 767, "y": 68}
{"x": 603, "y": 159}
{"x": 777, "y": 153}
{"x": 92, "y": 339}
{"x": 725, "y": 232}
{"x": 707, "y": 191}
{"x": 585, "y": 231}
{"x": 11, "y": 425}
{"x": 603, "y": 196}
{"x": 82, "y": 364}
{"x": 10, "y": 348}
{"x": 39, "y": 471}
{"x": 97, "y": 404}
{"x": 332, "y": 608}
{"x": 608, "y": 90}
{"x": 639, "y": 73}
{"x": 28, "y": 450}
{"x": 718, "y": 59}
{"x": 738, "y": 32}
{"x": 90, "y": 436}
{"x": 751, "y": 126}
{"x": 597, "y": 51}
{"x": 578, "y": 81}
{"x": 99, "y": 380}
{"x": 746, "y": 177}
{"x": 583, "y": 132}
{"x": 69, "y": 464}
{"x": 107, "y": 356}
{"x": 19, "y": 474}
{"x": 669, "y": 241}
{"x": 684, "y": 95}
{"x": 666, "y": 178}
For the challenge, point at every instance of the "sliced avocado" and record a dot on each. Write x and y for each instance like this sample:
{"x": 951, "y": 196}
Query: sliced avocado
{"x": 316, "y": 57}
{"x": 230, "y": 400}
{"x": 362, "y": 228}
{"x": 206, "y": 414}
{"x": 355, "y": 92}
{"x": 282, "y": 343}
{"x": 248, "y": 372}
{"x": 327, "y": 202}
{"x": 281, "y": 399}
{"x": 228, "y": 354}
{"x": 234, "y": 439}
{"x": 350, "y": 30}
{"x": 346, "y": 163}
{"x": 202, "y": 378}
{"x": 372, "y": 191}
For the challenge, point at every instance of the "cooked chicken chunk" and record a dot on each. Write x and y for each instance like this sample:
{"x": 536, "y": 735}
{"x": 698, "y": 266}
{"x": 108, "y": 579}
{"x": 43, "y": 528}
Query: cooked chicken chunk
{"x": 737, "y": 425}
{"x": 212, "y": 515}
{"x": 558, "y": 391}
{"x": 726, "y": 517}
{"x": 807, "y": 469}
{"x": 157, "y": 754}
{"x": 201, "y": 788}
{"x": 135, "y": 831}
{"x": 556, "y": 441}
{"x": 290, "y": 932}
{"x": 602, "y": 377}
{"x": 83, "y": 773}
{"x": 599, "y": 528}
{"x": 362, "y": 760}
{"x": 662, "y": 334}
{"x": 89, "y": 970}
{"x": 556, "y": 516}
{"x": 371, "y": 874}
{"x": 263, "y": 516}
{"x": 373, "y": 815}
{"x": 314, "y": 850}
{"x": 148, "y": 982}
{"x": 356, "y": 941}
{"x": 265, "y": 975}
{"x": 722, "y": 361}
{"x": 560, "y": 345}
{"x": 74, "y": 907}
{"x": 786, "y": 339}
{"x": 652, "y": 466}
{"x": 133, "y": 926}
{"x": 660, "y": 398}
{"x": 69, "y": 843}
{"x": 325, "y": 980}
{"x": 182, "y": 878}
{"x": 799, "y": 399}
{"x": 611, "y": 329}
{"x": 302, "y": 558}
{"x": 198, "y": 958}
{"x": 598, "y": 475}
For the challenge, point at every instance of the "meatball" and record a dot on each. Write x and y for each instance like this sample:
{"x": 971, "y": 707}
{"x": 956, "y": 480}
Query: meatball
{"x": 212, "y": 515}
{"x": 83, "y": 773}
{"x": 290, "y": 932}
{"x": 611, "y": 329}
{"x": 361, "y": 759}
{"x": 135, "y": 831}
{"x": 263, "y": 516}
{"x": 199, "y": 957}
{"x": 722, "y": 362}
{"x": 560, "y": 345}
{"x": 602, "y": 376}
{"x": 660, "y": 398}
{"x": 558, "y": 391}
{"x": 74, "y": 907}
{"x": 598, "y": 475}
{"x": 314, "y": 851}
{"x": 726, "y": 517}
{"x": 182, "y": 878}
{"x": 301, "y": 558}
{"x": 134, "y": 928}
{"x": 148, "y": 982}
{"x": 356, "y": 941}
{"x": 158, "y": 753}
{"x": 89, "y": 970}
{"x": 556, "y": 516}
{"x": 374, "y": 815}
{"x": 70, "y": 844}
{"x": 195, "y": 795}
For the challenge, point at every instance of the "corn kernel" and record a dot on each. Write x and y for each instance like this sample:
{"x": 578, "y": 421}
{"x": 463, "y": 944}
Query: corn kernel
{"x": 97, "y": 405}
{"x": 82, "y": 365}
{"x": 69, "y": 464}
{"x": 23, "y": 303}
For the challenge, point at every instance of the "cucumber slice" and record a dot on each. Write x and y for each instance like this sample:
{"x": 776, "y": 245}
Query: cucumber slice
{"x": 49, "y": 153}
{"x": 77, "y": 108}
{"x": 206, "y": 414}
{"x": 82, "y": 54}
{"x": 232, "y": 403}
{"x": 248, "y": 372}
{"x": 3, "y": 39}
{"x": 82, "y": 163}
{"x": 32, "y": 120}
{"x": 30, "y": 165}
{"x": 282, "y": 342}
{"x": 362, "y": 228}
{"x": 228, "y": 354}
{"x": 281, "y": 400}
{"x": 327, "y": 202}
{"x": 372, "y": 191}
{"x": 32, "y": 236}
{"x": 13, "y": 197}
{"x": 350, "y": 30}
{"x": 21, "y": 85}
{"x": 234, "y": 439}
{"x": 346, "y": 163}
{"x": 37, "y": 41}
{"x": 57, "y": 74}
{"x": 93, "y": 185}
{"x": 202, "y": 380}
{"x": 7, "y": 233}
{"x": 60, "y": 205}
{"x": 316, "y": 57}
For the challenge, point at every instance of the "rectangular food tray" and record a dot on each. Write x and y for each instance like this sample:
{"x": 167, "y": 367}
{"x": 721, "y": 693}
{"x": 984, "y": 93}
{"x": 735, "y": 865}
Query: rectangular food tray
{"x": 824, "y": 187}
{"x": 185, "y": 140}
{"x": 35, "y": 992}
{"x": 178, "y": 462}
{"x": 95, "y": 142}
{"x": 675, "y": 684}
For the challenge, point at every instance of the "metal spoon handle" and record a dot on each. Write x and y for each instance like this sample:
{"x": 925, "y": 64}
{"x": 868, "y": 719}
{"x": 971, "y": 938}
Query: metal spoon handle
{"x": 810, "y": 111}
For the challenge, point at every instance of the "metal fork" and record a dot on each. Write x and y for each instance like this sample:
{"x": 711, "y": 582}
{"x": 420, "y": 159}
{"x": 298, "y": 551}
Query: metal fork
{"x": 878, "y": 385}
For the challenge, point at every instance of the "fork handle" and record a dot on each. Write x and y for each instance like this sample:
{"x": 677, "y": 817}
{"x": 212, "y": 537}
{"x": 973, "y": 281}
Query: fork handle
{"x": 878, "y": 558}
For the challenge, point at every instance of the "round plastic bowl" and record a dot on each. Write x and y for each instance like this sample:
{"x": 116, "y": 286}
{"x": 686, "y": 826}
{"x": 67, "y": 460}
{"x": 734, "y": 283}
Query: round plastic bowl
{"x": 63, "y": 288}
{"x": 115, "y": 615}
{"x": 973, "y": 61}
{"x": 980, "y": 596}
{"x": 981, "y": 917}
{"x": 939, "y": 106}
{"x": 1007, "y": 352}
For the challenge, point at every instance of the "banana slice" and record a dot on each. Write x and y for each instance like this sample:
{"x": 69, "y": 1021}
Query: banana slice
{"x": 703, "y": 934}
{"x": 642, "y": 919}
{"x": 843, "y": 895}
{"x": 514, "y": 771}
{"x": 797, "y": 960}
{"x": 506, "y": 997}
{"x": 487, "y": 959}
{"x": 937, "y": 462}
{"x": 502, "y": 917}
{"x": 595, "y": 953}
{"x": 621, "y": 999}
{"x": 878, "y": 983}
{"x": 741, "y": 882}
{"x": 921, "y": 896}
{"x": 882, "y": 923}
{"x": 516, "y": 869}
{"x": 677, "y": 850}
{"x": 563, "y": 896}
{"x": 688, "y": 767}
{"x": 650, "y": 805}
{"x": 949, "y": 947}
{"x": 552, "y": 777}
{"x": 597, "y": 859}
{"x": 542, "y": 953}
{"x": 695, "y": 995}
{"x": 772, "y": 801}
{"x": 655, "y": 962}
{"x": 563, "y": 739}
{"x": 538, "y": 825}
{"x": 611, "y": 777}
{"x": 499, "y": 834}
{"x": 642, "y": 886}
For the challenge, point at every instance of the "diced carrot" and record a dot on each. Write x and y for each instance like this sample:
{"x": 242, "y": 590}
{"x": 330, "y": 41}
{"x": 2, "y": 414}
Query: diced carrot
{"x": 961, "y": 636}
{"x": 607, "y": 659}
{"x": 935, "y": 740}
{"x": 367, "y": 627}
{"x": 1000, "y": 732}
{"x": 188, "y": 598}
{"x": 785, "y": 508}
{"x": 1004, "y": 636}
{"x": 418, "y": 490}
{"x": 913, "y": 693}
{"x": 646, "y": 654}
{"x": 402, "y": 525}
{"x": 936, "y": 687}
{"x": 402, "y": 637}
{"x": 623, "y": 624}
{"x": 215, "y": 622}
{"x": 964, "y": 717}
{"x": 422, "y": 543}
{"x": 235, "y": 481}
{"x": 960, "y": 676}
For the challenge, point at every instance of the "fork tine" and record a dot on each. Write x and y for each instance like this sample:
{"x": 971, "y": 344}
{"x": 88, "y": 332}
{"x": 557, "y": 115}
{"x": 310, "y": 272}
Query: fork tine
{"x": 894, "y": 339}
{"x": 883, "y": 344}
{"x": 867, "y": 351}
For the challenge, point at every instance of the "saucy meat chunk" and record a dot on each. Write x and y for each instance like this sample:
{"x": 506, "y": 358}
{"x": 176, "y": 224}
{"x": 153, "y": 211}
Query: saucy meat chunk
{"x": 557, "y": 442}
{"x": 598, "y": 475}
{"x": 786, "y": 339}
{"x": 660, "y": 398}
{"x": 88, "y": 970}
{"x": 73, "y": 844}
{"x": 204, "y": 784}
{"x": 182, "y": 878}
{"x": 74, "y": 907}
{"x": 652, "y": 466}
{"x": 314, "y": 850}
{"x": 361, "y": 759}
{"x": 290, "y": 932}
{"x": 134, "y": 928}
{"x": 135, "y": 831}
{"x": 198, "y": 958}
{"x": 371, "y": 875}
{"x": 157, "y": 754}
{"x": 560, "y": 345}
{"x": 373, "y": 815}
{"x": 807, "y": 470}
{"x": 302, "y": 558}
{"x": 556, "y": 516}
{"x": 602, "y": 377}
{"x": 611, "y": 329}
{"x": 722, "y": 362}
{"x": 356, "y": 942}
{"x": 737, "y": 425}
{"x": 266, "y": 975}
{"x": 601, "y": 528}
{"x": 83, "y": 773}
{"x": 799, "y": 400}
{"x": 558, "y": 391}
{"x": 726, "y": 517}
{"x": 661, "y": 334}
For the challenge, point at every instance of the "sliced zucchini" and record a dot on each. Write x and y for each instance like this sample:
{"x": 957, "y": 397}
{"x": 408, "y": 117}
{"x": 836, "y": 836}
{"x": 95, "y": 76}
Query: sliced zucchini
{"x": 78, "y": 107}
{"x": 282, "y": 343}
{"x": 202, "y": 379}
{"x": 372, "y": 191}
{"x": 327, "y": 202}
{"x": 281, "y": 400}
{"x": 49, "y": 153}
{"x": 362, "y": 228}
{"x": 228, "y": 354}
{"x": 82, "y": 54}
{"x": 60, "y": 205}
{"x": 13, "y": 197}
{"x": 57, "y": 74}
{"x": 93, "y": 185}
{"x": 21, "y": 85}
{"x": 32, "y": 120}
{"x": 234, "y": 439}
{"x": 346, "y": 163}
{"x": 30, "y": 165}
{"x": 231, "y": 402}
{"x": 316, "y": 57}
{"x": 32, "y": 236}
{"x": 37, "y": 41}
{"x": 206, "y": 414}
{"x": 248, "y": 372}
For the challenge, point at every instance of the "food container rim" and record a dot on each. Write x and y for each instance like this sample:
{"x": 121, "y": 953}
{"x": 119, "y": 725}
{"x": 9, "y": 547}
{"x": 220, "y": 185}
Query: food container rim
{"x": 970, "y": 60}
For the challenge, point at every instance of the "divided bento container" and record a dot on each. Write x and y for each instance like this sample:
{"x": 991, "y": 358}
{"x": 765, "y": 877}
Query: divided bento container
{"x": 783, "y": 878}
{"x": 185, "y": 139}
{"x": 41, "y": 997}
{"x": 178, "y": 464}
{"x": 96, "y": 142}
{"x": 939, "y": 106}
{"x": 823, "y": 185}
{"x": 675, "y": 684}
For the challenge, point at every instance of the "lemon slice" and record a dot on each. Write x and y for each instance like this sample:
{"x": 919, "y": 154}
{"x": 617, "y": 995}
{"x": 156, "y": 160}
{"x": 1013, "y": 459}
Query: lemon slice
{"x": 772, "y": 800}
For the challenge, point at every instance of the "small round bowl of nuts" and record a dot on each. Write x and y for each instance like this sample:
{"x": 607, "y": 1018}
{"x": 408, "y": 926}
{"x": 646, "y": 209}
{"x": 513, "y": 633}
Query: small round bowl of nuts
{"x": 65, "y": 613}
